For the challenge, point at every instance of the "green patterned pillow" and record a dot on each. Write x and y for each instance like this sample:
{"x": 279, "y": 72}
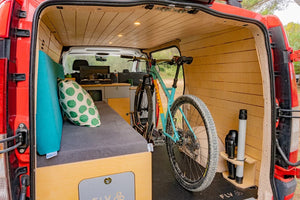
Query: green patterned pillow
{"x": 77, "y": 104}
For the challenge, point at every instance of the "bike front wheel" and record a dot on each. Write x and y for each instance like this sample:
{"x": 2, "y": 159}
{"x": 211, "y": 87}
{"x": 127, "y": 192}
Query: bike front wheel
{"x": 143, "y": 109}
{"x": 194, "y": 157}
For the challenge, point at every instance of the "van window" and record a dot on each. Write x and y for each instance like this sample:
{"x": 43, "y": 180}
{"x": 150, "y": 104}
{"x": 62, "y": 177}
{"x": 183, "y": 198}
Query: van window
{"x": 167, "y": 71}
{"x": 116, "y": 63}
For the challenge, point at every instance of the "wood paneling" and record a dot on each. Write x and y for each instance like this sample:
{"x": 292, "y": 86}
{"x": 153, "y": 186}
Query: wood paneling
{"x": 121, "y": 106}
{"x": 48, "y": 43}
{"x": 64, "y": 184}
{"x": 226, "y": 75}
{"x": 88, "y": 25}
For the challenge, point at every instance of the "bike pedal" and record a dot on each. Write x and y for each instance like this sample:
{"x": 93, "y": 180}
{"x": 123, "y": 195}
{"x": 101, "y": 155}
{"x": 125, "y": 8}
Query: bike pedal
{"x": 160, "y": 131}
{"x": 156, "y": 133}
{"x": 159, "y": 141}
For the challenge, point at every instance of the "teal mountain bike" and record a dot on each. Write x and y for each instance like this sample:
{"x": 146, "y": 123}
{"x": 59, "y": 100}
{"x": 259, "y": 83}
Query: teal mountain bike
{"x": 188, "y": 126}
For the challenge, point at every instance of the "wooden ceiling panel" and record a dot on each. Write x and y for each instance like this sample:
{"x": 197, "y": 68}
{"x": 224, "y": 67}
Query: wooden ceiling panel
{"x": 126, "y": 24}
{"x": 68, "y": 18}
{"x": 148, "y": 23}
{"x": 55, "y": 18}
{"x": 114, "y": 24}
{"x": 93, "y": 21}
{"x": 100, "y": 26}
{"x": 107, "y": 18}
{"x": 82, "y": 19}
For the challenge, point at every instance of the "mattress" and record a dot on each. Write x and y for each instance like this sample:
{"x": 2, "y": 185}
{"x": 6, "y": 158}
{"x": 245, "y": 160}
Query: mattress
{"x": 114, "y": 137}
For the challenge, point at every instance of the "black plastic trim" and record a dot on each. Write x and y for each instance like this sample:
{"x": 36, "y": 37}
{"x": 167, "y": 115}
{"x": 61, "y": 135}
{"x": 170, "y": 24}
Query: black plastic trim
{"x": 283, "y": 91}
{"x": 5, "y": 48}
{"x": 22, "y": 14}
{"x": 17, "y": 77}
{"x": 119, "y": 3}
{"x": 236, "y": 3}
{"x": 22, "y": 33}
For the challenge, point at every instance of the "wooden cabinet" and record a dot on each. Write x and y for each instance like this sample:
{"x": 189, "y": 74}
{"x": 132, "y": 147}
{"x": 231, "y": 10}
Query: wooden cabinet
{"x": 121, "y": 106}
{"x": 116, "y": 92}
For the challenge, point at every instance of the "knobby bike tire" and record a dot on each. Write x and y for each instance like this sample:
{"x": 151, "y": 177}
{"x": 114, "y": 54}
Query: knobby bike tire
{"x": 189, "y": 147}
{"x": 138, "y": 112}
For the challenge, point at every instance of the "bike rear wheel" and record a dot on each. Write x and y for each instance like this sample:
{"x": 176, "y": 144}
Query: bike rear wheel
{"x": 193, "y": 159}
{"x": 143, "y": 113}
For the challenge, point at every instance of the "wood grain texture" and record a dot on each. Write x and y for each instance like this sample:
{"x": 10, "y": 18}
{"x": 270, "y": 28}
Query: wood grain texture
{"x": 89, "y": 25}
{"x": 61, "y": 181}
{"x": 226, "y": 75}
{"x": 121, "y": 106}
{"x": 48, "y": 43}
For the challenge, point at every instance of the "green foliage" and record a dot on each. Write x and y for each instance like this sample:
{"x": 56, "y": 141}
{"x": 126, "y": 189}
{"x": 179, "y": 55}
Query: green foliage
{"x": 167, "y": 71}
{"x": 293, "y": 35}
{"x": 265, "y": 7}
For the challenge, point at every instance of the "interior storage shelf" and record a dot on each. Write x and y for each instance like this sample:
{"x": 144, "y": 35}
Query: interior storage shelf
{"x": 249, "y": 171}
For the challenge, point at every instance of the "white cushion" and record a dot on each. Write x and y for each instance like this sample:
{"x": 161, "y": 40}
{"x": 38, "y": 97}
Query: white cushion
{"x": 77, "y": 104}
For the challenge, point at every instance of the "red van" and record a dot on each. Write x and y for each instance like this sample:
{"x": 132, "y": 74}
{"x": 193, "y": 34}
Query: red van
{"x": 242, "y": 60}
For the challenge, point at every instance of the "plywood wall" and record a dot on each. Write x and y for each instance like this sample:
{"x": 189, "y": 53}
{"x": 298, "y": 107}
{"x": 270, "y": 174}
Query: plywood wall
{"x": 226, "y": 75}
{"x": 48, "y": 43}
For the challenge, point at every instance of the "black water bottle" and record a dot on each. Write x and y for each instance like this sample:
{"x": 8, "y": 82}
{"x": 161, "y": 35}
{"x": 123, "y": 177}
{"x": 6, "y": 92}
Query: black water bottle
{"x": 230, "y": 144}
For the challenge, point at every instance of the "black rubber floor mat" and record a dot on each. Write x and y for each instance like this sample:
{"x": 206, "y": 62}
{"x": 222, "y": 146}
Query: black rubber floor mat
{"x": 165, "y": 186}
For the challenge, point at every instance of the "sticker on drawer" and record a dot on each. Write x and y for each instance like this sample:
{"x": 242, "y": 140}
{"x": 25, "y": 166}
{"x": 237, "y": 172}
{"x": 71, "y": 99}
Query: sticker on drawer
{"x": 111, "y": 187}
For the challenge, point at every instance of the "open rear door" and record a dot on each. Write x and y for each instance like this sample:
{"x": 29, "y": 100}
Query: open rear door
{"x": 14, "y": 151}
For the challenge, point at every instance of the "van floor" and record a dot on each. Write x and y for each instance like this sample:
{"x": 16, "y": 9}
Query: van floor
{"x": 165, "y": 186}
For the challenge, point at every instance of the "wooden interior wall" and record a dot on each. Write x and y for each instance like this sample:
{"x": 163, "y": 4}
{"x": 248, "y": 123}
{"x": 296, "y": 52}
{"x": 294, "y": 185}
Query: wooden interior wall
{"x": 226, "y": 75}
{"x": 48, "y": 43}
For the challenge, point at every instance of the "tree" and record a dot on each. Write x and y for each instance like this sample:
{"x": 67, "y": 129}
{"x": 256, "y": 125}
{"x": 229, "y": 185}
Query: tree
{"x": 265, "y": 7}
{"x": 293, "y": 34}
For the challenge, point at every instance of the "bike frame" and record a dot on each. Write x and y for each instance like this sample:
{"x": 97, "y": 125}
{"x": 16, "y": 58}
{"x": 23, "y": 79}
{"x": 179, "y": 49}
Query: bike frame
{"x": 170, "y": 94}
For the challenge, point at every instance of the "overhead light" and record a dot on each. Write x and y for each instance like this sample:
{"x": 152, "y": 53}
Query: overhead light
{"x": 120, "y": 35}
{"x": 110, "y": 43}
{"x": 137, "y": 23}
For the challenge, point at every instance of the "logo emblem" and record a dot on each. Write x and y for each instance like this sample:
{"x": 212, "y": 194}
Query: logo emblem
{"x": 107, "y": 180}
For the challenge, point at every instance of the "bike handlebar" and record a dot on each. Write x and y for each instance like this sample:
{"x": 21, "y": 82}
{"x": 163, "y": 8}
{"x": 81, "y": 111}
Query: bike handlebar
{"x": 129, "y": 57}
{"x": 175, "y": 60}
{"x": 182, "y": 59}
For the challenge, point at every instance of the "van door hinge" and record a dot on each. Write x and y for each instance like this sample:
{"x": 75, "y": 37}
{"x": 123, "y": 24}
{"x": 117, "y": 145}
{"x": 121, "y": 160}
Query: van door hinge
{"x": 295, "y": 56}
{"x": 17, "y": 77}
{"x": 22, "y": 14}
{"x": 22, "y": 33}
{"x": 20, "y": 138}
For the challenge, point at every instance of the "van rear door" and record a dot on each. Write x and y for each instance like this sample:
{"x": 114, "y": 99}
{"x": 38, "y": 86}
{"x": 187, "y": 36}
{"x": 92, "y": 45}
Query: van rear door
{"x": 14, "y": 151}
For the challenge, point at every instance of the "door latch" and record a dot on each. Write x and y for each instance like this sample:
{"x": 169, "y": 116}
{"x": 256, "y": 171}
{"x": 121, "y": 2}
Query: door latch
{"x": 20, "y": 138}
